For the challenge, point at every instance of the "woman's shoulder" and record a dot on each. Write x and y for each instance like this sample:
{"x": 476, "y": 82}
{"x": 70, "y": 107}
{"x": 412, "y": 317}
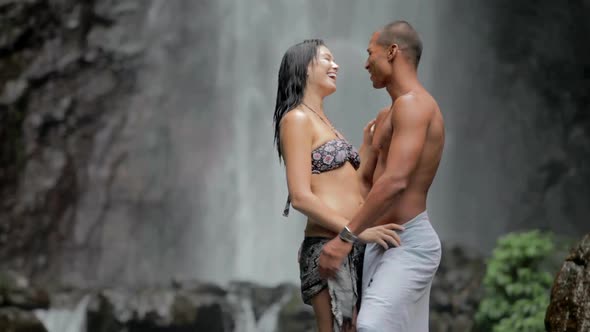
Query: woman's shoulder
{"x": 295, "y": 117}
{"x": 295, "y": 127}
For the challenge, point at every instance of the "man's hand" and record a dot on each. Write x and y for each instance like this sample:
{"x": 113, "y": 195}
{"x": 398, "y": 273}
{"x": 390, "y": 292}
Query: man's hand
{"x": 331, "y": 257}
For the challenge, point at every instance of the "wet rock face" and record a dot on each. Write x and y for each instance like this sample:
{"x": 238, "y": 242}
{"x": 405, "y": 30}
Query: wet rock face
{"x": 569, "y": 309}
{"x": 455, "y": 296}
{"x": 197, "y": 307}
{"x": 456, "y": 291}
{"x": 18, "y": 297}
{"x": 180, "y": 307}
{"x": 18, "y": 320}
{"x": 57, "y": 87}
{"x": 201, "y": 308}
{"x": 241, "y": 306}
{"x": 16, "y": 291}
{"x": 557, "y": 195}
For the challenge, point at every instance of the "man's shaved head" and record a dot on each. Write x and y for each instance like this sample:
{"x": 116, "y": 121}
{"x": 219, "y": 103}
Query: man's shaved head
{"x": 404, "y": 35}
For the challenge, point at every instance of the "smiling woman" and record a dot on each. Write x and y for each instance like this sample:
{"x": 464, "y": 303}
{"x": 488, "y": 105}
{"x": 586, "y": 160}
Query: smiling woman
{"x": 319, "y": 184}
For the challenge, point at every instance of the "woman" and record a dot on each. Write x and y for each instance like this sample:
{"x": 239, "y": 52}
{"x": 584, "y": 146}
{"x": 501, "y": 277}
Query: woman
{"x": 324, "y": 176}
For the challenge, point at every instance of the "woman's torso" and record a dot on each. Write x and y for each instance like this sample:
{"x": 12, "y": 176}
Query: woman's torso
{"x": 338, "y": 188}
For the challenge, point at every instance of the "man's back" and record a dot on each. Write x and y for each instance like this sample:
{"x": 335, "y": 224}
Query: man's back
{"x": 422, "y": 111}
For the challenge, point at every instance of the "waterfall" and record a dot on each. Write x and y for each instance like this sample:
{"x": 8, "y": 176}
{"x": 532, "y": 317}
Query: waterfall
{"x": 65, "y": 319}
{"x": 198, "y": 191}
{"x": 261, "y": 245}
{"x": 185, "y": 182}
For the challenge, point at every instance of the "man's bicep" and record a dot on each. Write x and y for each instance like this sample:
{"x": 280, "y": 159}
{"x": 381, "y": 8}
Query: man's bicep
{"x": 410, "y": 126}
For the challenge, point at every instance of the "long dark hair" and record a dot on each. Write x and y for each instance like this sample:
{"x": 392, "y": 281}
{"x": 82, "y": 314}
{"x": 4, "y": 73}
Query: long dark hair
{"x": 292, "y": 81}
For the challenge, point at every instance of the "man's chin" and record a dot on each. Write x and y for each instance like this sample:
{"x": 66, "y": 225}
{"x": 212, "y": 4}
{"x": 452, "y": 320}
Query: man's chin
{"x": 378, "y": 86}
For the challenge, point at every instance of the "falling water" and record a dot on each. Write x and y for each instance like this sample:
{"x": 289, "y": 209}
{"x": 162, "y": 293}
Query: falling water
{"x": 186, "y": 183}
{"x": 65, "y": 319}
{"x": 257, "y": 242}
{"x": 198, "y": 191}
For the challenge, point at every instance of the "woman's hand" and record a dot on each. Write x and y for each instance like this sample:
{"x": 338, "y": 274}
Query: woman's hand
{"x": 368, "y": 155}
{"x": 384, "y": 235}
{"x": 368, "y": 133}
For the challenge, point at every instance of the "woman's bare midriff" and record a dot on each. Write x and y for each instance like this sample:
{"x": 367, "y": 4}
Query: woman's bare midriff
{"x": 340, "y": 190}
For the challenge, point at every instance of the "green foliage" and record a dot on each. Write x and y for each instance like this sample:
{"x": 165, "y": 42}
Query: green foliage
{"x": 516, "y": 285}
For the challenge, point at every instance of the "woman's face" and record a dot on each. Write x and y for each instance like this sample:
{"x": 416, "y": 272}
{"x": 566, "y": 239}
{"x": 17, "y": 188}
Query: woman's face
{"x": 323, "y": 72}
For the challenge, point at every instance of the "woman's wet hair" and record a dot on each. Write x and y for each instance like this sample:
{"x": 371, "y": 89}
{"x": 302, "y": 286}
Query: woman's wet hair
{"x": 292, "y": 81}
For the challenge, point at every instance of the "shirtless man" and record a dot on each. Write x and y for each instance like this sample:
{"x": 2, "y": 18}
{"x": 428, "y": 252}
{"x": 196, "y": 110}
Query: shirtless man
{"x": 407, "y": 148}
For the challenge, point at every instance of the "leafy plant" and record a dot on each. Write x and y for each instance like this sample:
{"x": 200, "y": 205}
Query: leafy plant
{"x": 517, "y": 284}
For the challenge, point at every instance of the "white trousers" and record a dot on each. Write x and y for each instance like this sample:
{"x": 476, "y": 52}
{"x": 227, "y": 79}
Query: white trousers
{"x": 397, "y": 281}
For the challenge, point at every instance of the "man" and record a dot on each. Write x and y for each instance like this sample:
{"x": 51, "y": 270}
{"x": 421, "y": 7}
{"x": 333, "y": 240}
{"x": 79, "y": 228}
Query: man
{"x": 407, "y": 143}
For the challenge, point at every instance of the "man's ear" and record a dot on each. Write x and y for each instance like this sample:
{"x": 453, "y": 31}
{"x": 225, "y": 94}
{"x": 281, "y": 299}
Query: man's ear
{"x": 392, "y": 52}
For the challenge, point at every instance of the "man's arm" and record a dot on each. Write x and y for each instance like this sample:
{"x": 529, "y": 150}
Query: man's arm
{"x": 410, "y": 120}
{"x": 368, "y": 155}
{"x": 365, "y": 172}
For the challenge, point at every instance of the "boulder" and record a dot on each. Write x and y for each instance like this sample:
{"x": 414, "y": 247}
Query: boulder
{"x": 569, "y": 308}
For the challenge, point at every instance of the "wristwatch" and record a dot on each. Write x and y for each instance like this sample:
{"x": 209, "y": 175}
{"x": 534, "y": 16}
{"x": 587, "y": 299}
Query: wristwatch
{"x": 347, "y": 236}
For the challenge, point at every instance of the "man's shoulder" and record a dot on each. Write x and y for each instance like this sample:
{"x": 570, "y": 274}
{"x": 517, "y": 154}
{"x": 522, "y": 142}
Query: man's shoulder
{"x": 414, "y": 98}
{"x": 413, "y": 108}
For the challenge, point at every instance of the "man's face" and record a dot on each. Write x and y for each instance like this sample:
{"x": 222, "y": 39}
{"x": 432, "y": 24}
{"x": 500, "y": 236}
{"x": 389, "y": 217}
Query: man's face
{"x": 378, "y": 64}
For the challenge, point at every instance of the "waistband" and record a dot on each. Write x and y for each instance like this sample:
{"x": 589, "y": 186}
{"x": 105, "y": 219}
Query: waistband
{"x": 416, "y": 220}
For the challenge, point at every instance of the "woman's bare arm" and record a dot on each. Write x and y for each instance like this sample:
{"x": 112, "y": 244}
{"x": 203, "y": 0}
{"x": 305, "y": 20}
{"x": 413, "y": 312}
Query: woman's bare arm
{"x": 296, "y": 145}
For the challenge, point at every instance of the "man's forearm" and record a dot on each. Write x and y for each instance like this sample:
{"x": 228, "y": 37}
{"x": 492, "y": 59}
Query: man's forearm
{"x": 365, "y": 187}
{"x": 365, "y": 172}
{"x": 377, "y": 203}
